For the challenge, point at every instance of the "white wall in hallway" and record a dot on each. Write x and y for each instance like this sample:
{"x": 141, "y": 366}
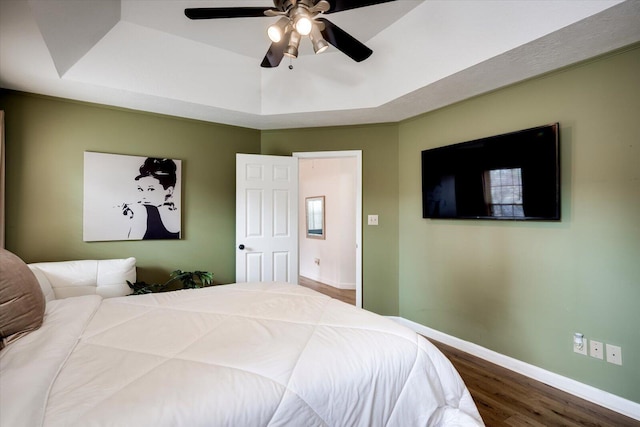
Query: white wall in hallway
{"x": 336, "y": 180}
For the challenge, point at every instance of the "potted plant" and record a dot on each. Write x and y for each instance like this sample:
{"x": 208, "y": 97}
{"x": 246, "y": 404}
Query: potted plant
{"x": 186, "y": 279}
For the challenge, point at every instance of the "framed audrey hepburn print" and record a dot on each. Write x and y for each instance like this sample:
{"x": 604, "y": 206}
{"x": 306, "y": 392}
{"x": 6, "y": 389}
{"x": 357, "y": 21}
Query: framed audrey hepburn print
{"x": 131, "y": 197}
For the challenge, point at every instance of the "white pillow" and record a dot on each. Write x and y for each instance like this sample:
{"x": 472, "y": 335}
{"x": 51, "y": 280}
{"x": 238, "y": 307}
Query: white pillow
{"x": 45, "y": 285}
{"x": 107, "y": 278}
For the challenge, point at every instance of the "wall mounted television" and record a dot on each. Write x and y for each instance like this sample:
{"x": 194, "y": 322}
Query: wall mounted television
{"x": 514, "y": 176}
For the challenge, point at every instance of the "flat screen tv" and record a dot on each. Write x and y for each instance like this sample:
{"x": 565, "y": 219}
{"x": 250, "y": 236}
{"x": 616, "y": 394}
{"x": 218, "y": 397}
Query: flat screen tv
{"x": 515, "y": 176}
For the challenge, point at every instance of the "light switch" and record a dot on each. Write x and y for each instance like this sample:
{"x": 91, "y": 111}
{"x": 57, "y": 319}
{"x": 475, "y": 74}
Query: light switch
{"x": 373, "y": 220}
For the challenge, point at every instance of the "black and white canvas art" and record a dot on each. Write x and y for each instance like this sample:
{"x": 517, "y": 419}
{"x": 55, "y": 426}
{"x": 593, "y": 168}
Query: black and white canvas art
{"x": 131, "y": 197}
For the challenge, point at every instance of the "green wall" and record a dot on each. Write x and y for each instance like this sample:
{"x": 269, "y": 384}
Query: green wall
{"x": 45, "y": 142}
{"x": 523, "y": 288}
{"x": 379, "y": 145}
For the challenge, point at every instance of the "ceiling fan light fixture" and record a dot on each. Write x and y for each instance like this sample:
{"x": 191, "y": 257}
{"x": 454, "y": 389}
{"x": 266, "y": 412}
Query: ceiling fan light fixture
{"x": 303, "y": 25}
{"x": 292, "y": 48}
{"x": 302, "y": 19}
{"x": 297, "y": 19}
{"x": 278, "y": 30}
{"x": 319, "y": 44}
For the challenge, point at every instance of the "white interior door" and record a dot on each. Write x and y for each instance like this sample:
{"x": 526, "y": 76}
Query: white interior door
{"x": 266, "y": 218}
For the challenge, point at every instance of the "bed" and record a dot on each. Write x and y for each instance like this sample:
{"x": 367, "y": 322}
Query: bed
{"x": 245, "y": 354}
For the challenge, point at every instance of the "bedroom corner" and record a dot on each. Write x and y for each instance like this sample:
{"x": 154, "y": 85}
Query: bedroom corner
{"x": 46, "y": 140}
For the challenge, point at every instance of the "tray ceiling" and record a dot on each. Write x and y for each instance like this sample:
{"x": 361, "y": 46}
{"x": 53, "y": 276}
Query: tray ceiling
{"x": 146, "y": 55}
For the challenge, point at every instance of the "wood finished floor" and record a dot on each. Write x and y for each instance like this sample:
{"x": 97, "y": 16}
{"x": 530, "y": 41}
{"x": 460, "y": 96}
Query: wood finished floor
{"x": 505, "y": 398}
{"x": 346, "y": 295}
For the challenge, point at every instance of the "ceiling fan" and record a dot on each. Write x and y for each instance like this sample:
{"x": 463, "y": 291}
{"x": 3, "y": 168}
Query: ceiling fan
{"x": 298, "y": 18}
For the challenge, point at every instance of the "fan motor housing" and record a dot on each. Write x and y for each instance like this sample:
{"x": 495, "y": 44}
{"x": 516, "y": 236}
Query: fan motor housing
{"x": 284, "y": 5}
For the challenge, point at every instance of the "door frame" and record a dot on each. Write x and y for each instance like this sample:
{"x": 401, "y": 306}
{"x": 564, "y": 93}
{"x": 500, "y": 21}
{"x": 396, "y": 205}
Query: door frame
{"x": 358, "y": 201}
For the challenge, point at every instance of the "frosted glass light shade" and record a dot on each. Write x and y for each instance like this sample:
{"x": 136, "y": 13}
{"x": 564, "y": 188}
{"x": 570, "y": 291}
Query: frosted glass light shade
{"x": 277, "y": 30}
{"x": 303, "y": 25}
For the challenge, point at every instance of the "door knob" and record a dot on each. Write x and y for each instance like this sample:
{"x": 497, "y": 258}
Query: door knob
{"x": 241, "y": 247}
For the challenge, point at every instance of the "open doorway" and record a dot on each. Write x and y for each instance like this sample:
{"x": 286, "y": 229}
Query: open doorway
{"x": 333, "y": 262}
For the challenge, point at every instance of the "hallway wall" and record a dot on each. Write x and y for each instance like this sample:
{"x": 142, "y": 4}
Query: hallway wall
{"x": 331, "y": 260}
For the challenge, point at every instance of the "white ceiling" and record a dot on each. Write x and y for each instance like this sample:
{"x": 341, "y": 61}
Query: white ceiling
{"x": 146, "y": 55}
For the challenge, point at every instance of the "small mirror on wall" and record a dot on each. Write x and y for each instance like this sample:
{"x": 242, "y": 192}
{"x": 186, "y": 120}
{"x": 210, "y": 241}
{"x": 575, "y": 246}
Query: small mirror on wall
{"x": 315, "y": 217}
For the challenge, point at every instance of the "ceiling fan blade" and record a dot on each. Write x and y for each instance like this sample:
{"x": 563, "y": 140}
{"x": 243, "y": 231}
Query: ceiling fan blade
{"x": 344, "y": 42}
{"x": 275, "y": 54}
{"x": 224, "y": 12}
{"x": 340, "y": 5}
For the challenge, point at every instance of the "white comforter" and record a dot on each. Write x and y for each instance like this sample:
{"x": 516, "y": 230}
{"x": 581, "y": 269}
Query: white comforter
{"x": 252, "y": 354}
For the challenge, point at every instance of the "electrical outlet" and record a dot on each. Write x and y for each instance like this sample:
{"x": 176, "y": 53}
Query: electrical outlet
{"x": 595, "y": 349}
{"x": 316, "y": 261}
{"x": 614, "y": 354}
{"x": 579, "y": 345}
{"x": 372, "y": 220}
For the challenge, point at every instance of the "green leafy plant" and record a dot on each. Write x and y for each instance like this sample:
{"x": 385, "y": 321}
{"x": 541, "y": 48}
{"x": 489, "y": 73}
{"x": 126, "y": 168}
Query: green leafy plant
{"x": 192, "y": 279}
{"x": 145, "y": 288}
{"x": 187, "y": 280}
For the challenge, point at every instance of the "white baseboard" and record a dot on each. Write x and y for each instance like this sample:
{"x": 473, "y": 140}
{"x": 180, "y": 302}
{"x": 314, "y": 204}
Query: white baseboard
{"x": 600, "y": 397}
